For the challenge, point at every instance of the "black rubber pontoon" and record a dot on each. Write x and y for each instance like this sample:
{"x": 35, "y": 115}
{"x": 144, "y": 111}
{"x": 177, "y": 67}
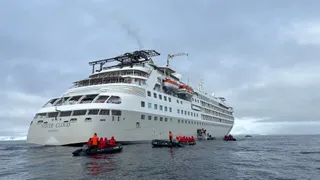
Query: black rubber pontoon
{"x": 164, "y": 143}
{"x": 87, "y": 152}
{"x": 230, "y": 139}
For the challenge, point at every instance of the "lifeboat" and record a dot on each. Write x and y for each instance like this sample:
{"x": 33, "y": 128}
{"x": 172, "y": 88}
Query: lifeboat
{"x": 185, "y": 89}
{"x": 170, "y": 84}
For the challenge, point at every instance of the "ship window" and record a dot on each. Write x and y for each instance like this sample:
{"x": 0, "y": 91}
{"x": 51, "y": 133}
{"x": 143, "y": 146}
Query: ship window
{"x": 155, "y": 118}
{"x": 88, "y": 98}
{"x": 61, "y": 101}
{"x": 149, "y": 117}
{"x": 181, "y": 121}
{"x": 170, "y": 119}
{"x": 160, "y": 97}
{"x": 165, "y": 119}
{"x": 143, "y": 104}
{"x": 40, "y": 121}
{"x": 182, "y": 112}
{"x": 189, "y": 122}
{"x": 155, "y": 95}
{"x": 142, "y": 116}
{"x": 104, "y": 112}
{"x": 41, "y": 115}
{"x": 170, "y": 109}
{"x": 178, "y": 120}
{"x": 178, "y": 111}
{"x": 93, "y": 111}
{"x": 88, "y": 120}
{"x": 185, "y": 112}
{"x": 73, "y": 100}
{"x": 161, "y": 118}
{"x": 79, "y": 112}
{"x": 52, "y": 114}
{"x": 177, "y": 101}
{"x": 188, "y": 113}
{"x": 161, "y": 108}
{"x": 50, "y": 102}
{"x": 169, "y": 99}
{"x": 65, "y": 113}
{"x": 101, "y": 99}
{"x": 116, "y": 113}
{"x": 114, "y": 100}
{"x": 180, "y": 102}
{"x": 149, "y": 93}
{"x": 73, "y": 119}
{"x": 149, "y": 105}
{"x": 165, "y": 98}
{"x": 155, "y": 106}
{"x": 191, "y": 113}
{"x": 165, "y": 108}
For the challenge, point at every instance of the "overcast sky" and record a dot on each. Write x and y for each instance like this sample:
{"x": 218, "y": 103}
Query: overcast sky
{"x": 263, "y": 56}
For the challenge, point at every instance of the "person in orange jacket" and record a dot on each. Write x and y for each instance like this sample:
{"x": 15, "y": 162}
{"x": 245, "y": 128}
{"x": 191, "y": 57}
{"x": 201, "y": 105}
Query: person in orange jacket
{"x": 95, "y": 140}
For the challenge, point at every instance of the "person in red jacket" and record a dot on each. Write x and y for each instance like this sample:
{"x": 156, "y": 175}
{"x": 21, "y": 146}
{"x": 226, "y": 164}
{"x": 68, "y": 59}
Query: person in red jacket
{"x": 89, "y": 143}
{"x": 101, "y": 142}
{"x": 192, "y": 139}
{"x": 106, "y": 142}
{"x": 112, "y": 141}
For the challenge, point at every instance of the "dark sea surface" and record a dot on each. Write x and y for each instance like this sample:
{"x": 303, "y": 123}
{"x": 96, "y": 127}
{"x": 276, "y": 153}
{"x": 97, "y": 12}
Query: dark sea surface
{"x": 259, "y": 157}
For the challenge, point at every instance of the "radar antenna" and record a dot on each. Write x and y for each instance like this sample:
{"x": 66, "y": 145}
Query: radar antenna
{"x": 200, "y": 85}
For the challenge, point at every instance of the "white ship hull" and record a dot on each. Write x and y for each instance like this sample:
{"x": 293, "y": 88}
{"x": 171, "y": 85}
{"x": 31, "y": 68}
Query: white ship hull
{"x": 125, "y": 130}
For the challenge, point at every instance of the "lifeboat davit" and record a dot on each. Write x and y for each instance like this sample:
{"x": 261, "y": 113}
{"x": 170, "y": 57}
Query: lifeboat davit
{"x": 185, "y": 89}
{"x": 170, "y": 84}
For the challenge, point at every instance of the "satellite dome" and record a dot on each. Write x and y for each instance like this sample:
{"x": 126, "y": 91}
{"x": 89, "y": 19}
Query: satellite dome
{"x": 179, "y": 76}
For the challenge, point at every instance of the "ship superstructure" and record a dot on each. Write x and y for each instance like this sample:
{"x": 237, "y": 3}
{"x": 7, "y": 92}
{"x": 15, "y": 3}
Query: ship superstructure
{"x": 134, "y": 100}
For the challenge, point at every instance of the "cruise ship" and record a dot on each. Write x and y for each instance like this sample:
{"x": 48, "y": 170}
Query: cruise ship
{"x": 134, "y": 100}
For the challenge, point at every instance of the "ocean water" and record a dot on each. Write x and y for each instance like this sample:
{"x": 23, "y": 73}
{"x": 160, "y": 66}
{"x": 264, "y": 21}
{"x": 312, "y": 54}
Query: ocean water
{"x": 259, "y": 157}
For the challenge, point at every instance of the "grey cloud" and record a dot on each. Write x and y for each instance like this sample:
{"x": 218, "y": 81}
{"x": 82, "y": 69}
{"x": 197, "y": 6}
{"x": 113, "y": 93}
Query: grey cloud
{"x": 46, "y": 45}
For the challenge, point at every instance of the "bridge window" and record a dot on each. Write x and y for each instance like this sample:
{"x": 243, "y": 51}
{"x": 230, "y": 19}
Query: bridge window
{"x": 169, "y": 99}
{"x": 161, "y": 107}
{"x": 170, "y": 109}
{"x": 165, "y": 98}
{"x": 160, "y": 96}
{"x": 88, "y": 98}
{"x": 155, "y": 106}
{"x": 116, "y": 113}
{"x": 149, "y": 93}
{"x": 65, "y": 113}
{"x": 52, "y": 114}
{"x": 114, "y": 100}
{"x": 101, "y": 99}
{"x": 93, "y": 111}
{"x": 155, "y": 95}
{"x": 149, "y": 105}
{"x": 104, "y": 112}
{"x": 41, "y": 115}
{"x": 61, "y": 101}
{"x": 165, "y": 108}
{"x": 50, "y": 102}
{"x": 73, "y": 100}
{"x": 79, "y": 112}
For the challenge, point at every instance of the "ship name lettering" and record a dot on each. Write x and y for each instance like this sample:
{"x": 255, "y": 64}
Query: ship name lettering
{"x": 57, "y": 125}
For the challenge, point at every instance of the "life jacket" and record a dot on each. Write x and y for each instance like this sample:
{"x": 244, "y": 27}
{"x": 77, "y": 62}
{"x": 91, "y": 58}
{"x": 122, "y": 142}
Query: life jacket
{"x": 179, "y": 138}
{"x": 170, "y": 135}
{"x": 95, "y": 140}
{"x": 105, "y": 142}
{"x": 192, "y": 139}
